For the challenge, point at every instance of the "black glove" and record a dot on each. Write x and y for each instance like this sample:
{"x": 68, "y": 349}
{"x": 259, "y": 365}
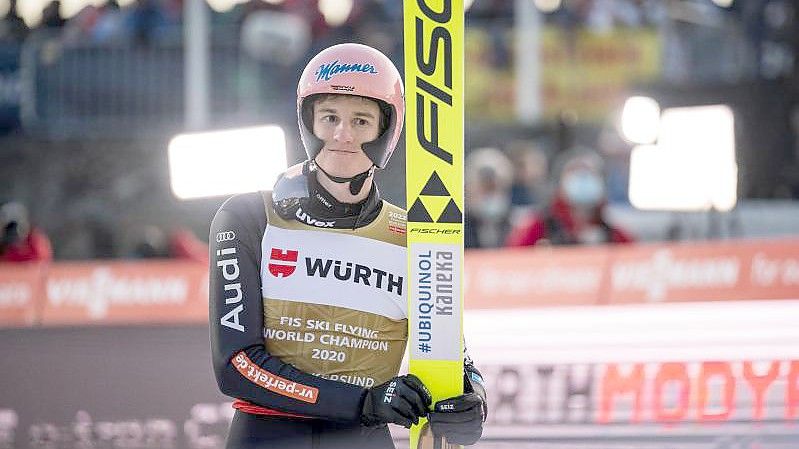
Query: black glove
{"x": 402, "y": 400}
{"x": 459, "y": 419}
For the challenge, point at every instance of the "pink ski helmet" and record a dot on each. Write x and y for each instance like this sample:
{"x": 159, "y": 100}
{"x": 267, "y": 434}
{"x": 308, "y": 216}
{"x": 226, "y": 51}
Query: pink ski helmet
{"x": 353, "y": 69}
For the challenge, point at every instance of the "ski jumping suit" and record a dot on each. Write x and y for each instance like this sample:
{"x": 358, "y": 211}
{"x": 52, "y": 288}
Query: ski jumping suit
{"x": 306, "y": 313}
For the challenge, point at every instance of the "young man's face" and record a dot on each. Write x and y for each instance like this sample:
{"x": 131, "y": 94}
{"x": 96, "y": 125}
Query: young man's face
{"x": 344, "y": 123}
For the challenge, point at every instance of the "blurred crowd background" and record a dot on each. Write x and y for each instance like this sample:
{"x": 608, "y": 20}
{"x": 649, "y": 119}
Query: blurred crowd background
{"x": 683, "y": 335}
{"x": 91, "y": 92}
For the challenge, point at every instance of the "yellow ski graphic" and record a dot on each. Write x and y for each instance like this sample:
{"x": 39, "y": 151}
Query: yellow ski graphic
{"x": 433, "y": 31}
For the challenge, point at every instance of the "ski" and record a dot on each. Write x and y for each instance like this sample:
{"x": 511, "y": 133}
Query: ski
{"x": 434, "y": 93}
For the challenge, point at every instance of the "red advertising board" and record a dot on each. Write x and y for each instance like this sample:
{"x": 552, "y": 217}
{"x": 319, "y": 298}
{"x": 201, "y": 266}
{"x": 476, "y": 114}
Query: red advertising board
{"x": 721, "y": 271}
{"x": 711, "y": 271}
{"x": 531, "y": 277}
{"x": 20, "y": 293}
{"x": 126, "y": 293}
{"x": 168, "y": 291}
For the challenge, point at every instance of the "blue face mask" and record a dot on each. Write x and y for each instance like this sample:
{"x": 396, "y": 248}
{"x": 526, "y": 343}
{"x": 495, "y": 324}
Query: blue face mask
{"x": 583, "y": 188}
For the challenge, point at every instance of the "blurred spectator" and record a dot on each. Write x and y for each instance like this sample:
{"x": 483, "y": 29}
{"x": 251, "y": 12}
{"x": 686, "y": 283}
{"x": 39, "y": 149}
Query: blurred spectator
{"x": 183, "y": 244}
{"x": 616, "y": 153}
{"x": 172, "y": 11}
{"x": 489, "y": 174}
{"x": 309, "y": 10}
{"x": 51, "y": 15}
{"x": 530, "y": 173}
{"x": 12, "y": 27}
{"x": 110, "y": 6}
{"x": 96, "y": 23}
{"x": 178, "y": 244}
{"x": 575, "y": 213}
{"x": 152, "y": 243}
{"x": 243, "y": 10}
{"x": 20, "y": 241}
{"x": 490, "y": 10}
{"x": 496, "y": 17}
{"x": 79, "y": 26}
{"x": 144, "y": 19}
{"x": 108, "y": 26}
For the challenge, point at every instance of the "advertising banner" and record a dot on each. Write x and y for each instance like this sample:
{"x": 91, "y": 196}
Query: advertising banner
{"x": 674, "y": 405}
{"x": 590, "y": 73}
{"x": 719, "y": 271}
{"x": 167, "y": 291}
{"x": 632, "y": 274}
{"x": 522, "y": 278}
{"x": 20, "y": 293}
{"x": 126, "y": 293}
{"x": 134, "y": 387}
{"x": 152, "y": 387}
{"x": 584, "y": 72}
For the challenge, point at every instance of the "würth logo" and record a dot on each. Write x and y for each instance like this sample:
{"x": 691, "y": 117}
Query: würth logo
{"x": 282, "y": 270}
{"x": 357, "y": 273}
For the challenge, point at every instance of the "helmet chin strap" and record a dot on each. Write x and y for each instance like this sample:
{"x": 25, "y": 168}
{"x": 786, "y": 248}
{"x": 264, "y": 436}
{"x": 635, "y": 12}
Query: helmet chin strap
{"x": 356, "y": 182}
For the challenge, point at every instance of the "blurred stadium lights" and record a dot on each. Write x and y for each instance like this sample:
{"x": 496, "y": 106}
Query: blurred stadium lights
{"x": 723, "y": 3}
{"x": 226, "y": 162}
{"x": 693, "y": 165}
{"x": 227, "y": 5}
{"x": 640, "y": 120}
{"x": 223, "y": 5}
{"x": 547, "y": 6}
{"x": 336, "y": 12}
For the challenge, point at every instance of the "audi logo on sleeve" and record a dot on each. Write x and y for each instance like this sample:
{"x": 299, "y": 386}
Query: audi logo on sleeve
{"x": 225, "y": 236}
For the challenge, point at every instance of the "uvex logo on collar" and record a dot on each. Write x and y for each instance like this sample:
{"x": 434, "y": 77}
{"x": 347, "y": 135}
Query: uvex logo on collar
{"x": 328, "y": 71}
{"x": 309, "y": 220}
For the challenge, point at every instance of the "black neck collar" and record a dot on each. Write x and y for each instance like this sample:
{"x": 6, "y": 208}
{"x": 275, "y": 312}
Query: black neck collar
{"x": 322, "y": 205}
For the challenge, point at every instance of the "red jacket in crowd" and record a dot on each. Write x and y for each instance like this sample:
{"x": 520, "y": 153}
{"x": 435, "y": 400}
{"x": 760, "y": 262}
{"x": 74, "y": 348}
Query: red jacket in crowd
{"x": 34, "y": 248}
{"x": 556, "y": 225}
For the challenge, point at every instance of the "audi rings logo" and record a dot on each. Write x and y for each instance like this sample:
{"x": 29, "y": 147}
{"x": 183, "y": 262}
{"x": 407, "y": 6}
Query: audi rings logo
{"x": 225, "y": 236}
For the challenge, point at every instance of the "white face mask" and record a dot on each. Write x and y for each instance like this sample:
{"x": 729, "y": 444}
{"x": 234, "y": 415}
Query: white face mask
{"x": 493, "y": 207}
{"x": 583, "y": 188}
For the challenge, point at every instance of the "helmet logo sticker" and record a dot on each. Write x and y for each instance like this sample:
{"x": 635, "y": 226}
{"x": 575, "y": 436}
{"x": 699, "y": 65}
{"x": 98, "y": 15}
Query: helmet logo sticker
{"x": 328, "y": 71}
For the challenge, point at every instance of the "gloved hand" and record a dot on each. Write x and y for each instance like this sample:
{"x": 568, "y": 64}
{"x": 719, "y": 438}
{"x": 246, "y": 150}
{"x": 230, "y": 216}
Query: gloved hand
{"x": 402, "y": 400}
{"x": 459, "y": 419}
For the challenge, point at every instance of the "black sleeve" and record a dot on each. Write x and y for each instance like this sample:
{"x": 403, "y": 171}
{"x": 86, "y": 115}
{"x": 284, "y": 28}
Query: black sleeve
{"x": 243, "y": 368}
{"x": 473, "y": 381}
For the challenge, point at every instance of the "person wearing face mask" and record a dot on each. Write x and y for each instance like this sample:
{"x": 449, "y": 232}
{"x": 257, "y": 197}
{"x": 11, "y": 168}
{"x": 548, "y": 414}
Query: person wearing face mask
{"x": 308, "y": 307}
{"x": 19, "y": 240}
{"x": 575, "y": 214}
{"x": 489, "y": 174}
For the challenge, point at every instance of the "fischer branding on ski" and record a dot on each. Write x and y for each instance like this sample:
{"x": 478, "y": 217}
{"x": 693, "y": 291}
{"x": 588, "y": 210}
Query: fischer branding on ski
{"x": 434, "y": 188}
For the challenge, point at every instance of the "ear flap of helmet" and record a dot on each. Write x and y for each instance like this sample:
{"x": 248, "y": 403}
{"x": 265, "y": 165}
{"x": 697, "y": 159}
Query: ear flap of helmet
{"x": 313, "y": 145}
{"x": 379, "y": 150}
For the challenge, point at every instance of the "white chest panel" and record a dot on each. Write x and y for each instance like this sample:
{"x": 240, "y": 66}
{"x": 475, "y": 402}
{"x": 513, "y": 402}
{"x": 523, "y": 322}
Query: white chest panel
{"x": 335, "y": 269}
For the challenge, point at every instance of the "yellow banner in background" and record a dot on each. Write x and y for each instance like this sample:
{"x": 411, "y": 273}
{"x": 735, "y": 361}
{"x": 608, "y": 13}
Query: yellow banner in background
{"x": 591, "y": 73}
{"x": 585, "y": 72}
